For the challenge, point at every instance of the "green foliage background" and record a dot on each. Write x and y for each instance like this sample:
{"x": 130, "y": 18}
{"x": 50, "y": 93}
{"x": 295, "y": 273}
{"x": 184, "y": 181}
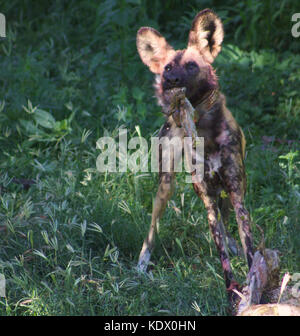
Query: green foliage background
{"x": 70, "y": 74}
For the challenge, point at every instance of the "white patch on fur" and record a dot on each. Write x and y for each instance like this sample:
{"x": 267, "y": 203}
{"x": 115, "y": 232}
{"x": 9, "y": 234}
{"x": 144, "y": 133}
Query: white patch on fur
{"x": 223, "y": 138}
{"x": 214, "y": 163}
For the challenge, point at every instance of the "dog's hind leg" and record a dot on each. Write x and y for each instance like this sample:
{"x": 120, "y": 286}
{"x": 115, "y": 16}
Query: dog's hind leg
{"x": 243, "y": 220}
{"x": 216, "y": 227}
{"x": 225, "y": 207}
{"x": 234, "y": 180}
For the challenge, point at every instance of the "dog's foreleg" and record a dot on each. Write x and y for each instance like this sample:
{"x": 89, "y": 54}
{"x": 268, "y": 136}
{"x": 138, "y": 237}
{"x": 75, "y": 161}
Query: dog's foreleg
{"x": 168, "y": 157}
{"x": 165, "y": 191}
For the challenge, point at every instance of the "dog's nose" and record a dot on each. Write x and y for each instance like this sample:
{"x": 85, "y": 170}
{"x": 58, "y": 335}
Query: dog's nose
{"x": 173, "y": 80}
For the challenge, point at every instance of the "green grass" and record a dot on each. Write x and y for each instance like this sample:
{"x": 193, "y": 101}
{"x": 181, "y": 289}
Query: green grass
{"x": 69, "y": 244}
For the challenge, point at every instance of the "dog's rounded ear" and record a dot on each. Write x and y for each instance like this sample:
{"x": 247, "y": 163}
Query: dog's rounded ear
{"x": 207, "y": 34}
{"x": 153, "y": 48}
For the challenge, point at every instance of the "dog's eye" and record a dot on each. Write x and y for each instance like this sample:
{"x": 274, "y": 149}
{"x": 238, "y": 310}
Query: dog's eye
{"x": 191, "y": 66}
{"x": 168, "y": 67}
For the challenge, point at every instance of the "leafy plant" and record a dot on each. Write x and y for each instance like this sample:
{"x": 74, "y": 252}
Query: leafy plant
{"x": 43, "y": 127}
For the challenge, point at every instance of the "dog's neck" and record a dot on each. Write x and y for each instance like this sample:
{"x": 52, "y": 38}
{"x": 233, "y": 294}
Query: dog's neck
{"x": 207, "y": 101}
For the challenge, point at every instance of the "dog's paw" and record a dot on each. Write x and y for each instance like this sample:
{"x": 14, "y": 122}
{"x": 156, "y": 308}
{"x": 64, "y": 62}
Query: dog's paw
{"x": 233, "y": 296}
{"x": 143, "y": 261}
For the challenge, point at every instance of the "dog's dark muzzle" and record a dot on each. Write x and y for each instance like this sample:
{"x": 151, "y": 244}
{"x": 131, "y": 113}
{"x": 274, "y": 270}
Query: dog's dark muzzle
{"x": 172, "y": 80}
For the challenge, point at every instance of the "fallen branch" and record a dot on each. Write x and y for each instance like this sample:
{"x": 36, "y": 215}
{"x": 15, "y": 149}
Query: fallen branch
{"x": 271, "y": 309}
{"x": 262, "y": 285}
{"x": 264, "y": 269}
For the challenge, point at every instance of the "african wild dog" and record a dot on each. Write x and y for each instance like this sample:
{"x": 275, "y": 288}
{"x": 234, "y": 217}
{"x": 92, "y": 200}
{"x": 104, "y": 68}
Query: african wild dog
{"x": 224, "y": 142}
